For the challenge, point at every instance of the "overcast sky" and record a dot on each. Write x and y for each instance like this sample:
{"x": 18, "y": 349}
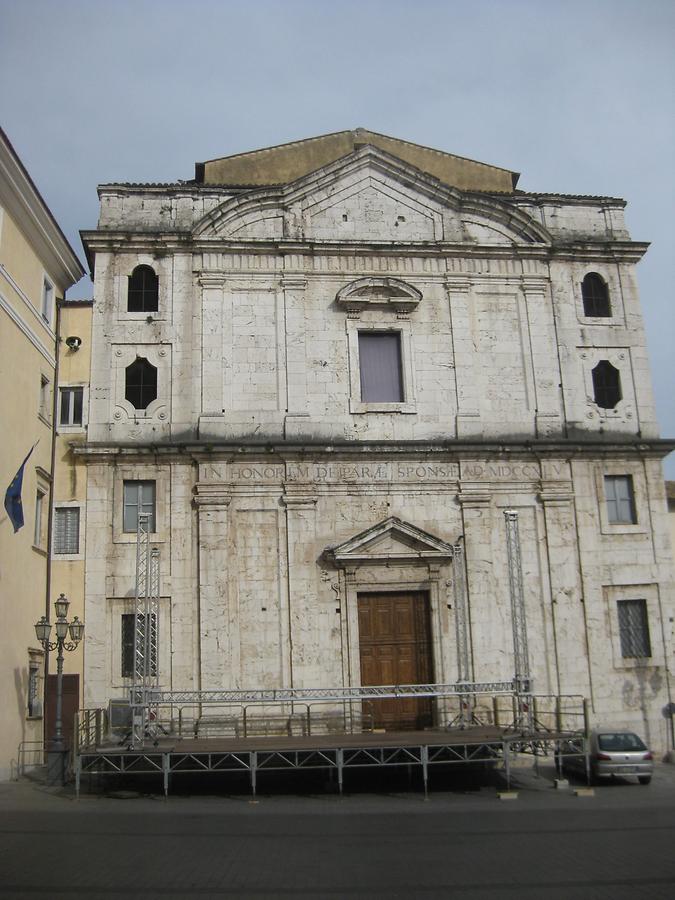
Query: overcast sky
{"x": 579, "y": 97}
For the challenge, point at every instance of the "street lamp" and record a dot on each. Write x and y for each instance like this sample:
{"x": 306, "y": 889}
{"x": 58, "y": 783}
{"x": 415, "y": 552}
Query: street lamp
{"x": 63, "y": 628}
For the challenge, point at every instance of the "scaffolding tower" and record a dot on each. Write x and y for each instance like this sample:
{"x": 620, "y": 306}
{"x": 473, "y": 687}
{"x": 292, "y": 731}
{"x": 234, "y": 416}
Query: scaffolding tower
{"x": 144, "y": 719}
{"x": 521, "y": 681}
{"x": 466, "y": 709}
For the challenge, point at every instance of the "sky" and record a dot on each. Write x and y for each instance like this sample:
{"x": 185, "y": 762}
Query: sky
{"x": 576, "y": 95}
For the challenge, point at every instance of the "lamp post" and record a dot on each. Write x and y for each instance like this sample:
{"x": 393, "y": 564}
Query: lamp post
{"x": 56, "y": 752}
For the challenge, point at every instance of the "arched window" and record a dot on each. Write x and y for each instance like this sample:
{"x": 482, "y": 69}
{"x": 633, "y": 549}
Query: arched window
{"x": 141, "y": 383}
{"x": 606, "y": 385}
{"x": 143, "y": 293}
{"x": 595, "y": 296}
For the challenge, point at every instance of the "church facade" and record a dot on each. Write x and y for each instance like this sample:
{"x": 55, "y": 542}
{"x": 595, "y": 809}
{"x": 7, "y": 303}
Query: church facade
{"x": 322, "y": 367}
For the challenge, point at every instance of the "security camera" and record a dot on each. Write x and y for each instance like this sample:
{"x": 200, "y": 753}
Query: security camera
{"x": 73, "y": 342}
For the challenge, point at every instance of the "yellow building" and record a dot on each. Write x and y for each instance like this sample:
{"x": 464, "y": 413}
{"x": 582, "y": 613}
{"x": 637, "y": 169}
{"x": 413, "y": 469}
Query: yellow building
{"x": 70, "y": 477}
{"x": 37, "y": 266}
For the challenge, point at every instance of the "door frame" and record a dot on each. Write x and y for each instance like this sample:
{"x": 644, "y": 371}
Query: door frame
{"x": 362, "y": 581}
{"x": 428, "y": 701}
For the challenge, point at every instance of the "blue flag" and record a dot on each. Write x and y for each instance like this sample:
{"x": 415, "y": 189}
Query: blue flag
{"x": 13, "y": 496}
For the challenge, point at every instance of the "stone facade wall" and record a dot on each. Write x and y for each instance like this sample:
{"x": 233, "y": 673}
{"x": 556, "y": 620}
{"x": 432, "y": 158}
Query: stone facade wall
{"x": 265, "y": 456}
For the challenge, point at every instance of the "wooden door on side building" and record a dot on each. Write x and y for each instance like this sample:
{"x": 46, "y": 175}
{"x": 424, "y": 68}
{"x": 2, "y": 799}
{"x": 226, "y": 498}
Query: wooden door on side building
{"x": 395, "y": 648}
{"x": 70, "y": 703}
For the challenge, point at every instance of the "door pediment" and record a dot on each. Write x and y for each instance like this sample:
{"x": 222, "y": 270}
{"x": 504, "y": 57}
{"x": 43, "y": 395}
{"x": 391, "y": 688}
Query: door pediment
{"x": 390, "y": 541}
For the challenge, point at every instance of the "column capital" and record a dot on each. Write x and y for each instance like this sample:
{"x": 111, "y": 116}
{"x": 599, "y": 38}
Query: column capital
{"x": 474, "y": 499}
{"x": 212, "y": 494}
{"x": 294, "y": 282}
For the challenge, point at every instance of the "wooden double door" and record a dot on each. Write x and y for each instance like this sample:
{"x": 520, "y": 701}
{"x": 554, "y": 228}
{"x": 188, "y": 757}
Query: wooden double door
{"x": 395, "y": 648}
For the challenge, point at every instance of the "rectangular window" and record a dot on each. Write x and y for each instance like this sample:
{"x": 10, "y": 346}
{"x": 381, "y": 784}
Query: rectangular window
{"x": 37, "y": 533}
{"x": 139, "y": 497}
{"x": 380, "y": 367}
{"x": 47, "y": 300}
{"x": 634, "y": 628}
{"x": 620, "y": 500}
{"x": 150, "y": 642}
{"x": 43, "y": 408}
{"x": 70, "y": 406}
{"x": 67, "y": 529}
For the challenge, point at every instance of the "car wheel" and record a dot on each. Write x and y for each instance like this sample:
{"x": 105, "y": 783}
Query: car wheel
{"x": 644, "y": 779}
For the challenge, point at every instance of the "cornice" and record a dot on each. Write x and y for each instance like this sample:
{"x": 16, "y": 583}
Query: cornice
{"x": 195, "y": 452}
{"x": 22, "y": 201}
{"x": 102, "y": 240}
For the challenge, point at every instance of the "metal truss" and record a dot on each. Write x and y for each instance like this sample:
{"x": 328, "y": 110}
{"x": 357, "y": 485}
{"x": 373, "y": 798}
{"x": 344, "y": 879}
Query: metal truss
{"x": 522, "y": 680}
{"x": 288, "y": 695}
{"x": 146, "y": 636}
{"x": 333, "y": 759}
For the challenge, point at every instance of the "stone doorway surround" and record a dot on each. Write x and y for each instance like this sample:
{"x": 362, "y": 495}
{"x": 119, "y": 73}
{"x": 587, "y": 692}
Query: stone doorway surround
{"x": 391, "y": 556}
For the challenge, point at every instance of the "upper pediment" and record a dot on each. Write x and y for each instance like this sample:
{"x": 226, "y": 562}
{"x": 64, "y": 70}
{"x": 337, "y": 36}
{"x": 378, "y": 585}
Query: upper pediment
{"x": 286, "y": 163}
{"x": 369, "y": 197}
{"x": 390, "y": 541}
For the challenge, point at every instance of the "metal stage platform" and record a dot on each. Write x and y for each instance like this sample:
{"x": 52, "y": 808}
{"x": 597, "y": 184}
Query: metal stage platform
{"x": 334, "y": 753}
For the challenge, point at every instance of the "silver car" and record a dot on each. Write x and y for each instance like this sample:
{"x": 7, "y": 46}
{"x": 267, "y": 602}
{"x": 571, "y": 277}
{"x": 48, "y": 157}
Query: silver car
{"x": 611, "y": 752}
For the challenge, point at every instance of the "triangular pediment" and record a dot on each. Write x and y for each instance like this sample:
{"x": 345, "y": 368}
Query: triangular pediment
{"x": 390, "y": 541}
{"x": 369, "y": 196}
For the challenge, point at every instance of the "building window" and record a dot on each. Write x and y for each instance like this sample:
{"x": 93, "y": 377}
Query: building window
{"x": 620, "y": 500}
{"x": 67, "y": 529}
{"x": 128, "y": 654}
{"x": 143, "y": 294}
{"x": 44, "y": 398}
{"x": 140, "y": 383}
{"x": 34, "y": 703}
{"x": 139, "y": 497}
{"x": 70, "y": 405}
{"x": 47, "y": 300}
{"x": 37, "y": 532}
{"x": 595, "y": 295}
{"x": 634, "y": 628}
{"x": 380, "y": 367}
{"x": 606, "y": 385}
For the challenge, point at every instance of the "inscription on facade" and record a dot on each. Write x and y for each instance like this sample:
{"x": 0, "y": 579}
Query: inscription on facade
{"x": 337, "y": 473}
{"x": 497, "y": 471}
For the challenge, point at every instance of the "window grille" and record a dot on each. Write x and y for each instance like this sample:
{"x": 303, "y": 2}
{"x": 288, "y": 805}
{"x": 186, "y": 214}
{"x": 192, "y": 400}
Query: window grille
{"x": 634, "y": 628}
{"x": 141, "y": 383}
{"x": 67, "y": 529}
{"x": 139, "y": 497}
{"x": 595, "y": 296}
{"x": 620, "y": 500}
{"x": 70, "y": 406}
{"x": 143, "y": 294}
{"x": 380, "y": 367}
{"x": 128, "y": 621}
{"x": 606, "y": 385}
{"x": 34, "y": 704}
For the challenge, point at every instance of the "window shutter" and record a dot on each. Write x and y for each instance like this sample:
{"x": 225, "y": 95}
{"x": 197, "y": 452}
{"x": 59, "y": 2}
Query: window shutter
{"x": 380, "y": 367}
{"x": 67, "y": 529}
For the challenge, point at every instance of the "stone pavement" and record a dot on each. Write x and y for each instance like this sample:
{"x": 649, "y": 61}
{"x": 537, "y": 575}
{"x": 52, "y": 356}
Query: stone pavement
{"x": 545, "y": 845}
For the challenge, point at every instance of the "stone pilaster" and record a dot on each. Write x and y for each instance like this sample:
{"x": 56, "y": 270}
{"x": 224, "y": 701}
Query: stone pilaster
{"x": 294, "y": 287}
{"x": 466, "y": 381}
{"x": 218, "y": 627}
{"x": 545, "y": 370}
{"x": 213, "y": 287}
{"x": 308, "y": 614}
{"x": 567, "y": 611}
{"x": 489, "y": 624}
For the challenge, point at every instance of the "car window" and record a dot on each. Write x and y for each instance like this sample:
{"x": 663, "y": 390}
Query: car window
{"x": 619, "y": 741}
